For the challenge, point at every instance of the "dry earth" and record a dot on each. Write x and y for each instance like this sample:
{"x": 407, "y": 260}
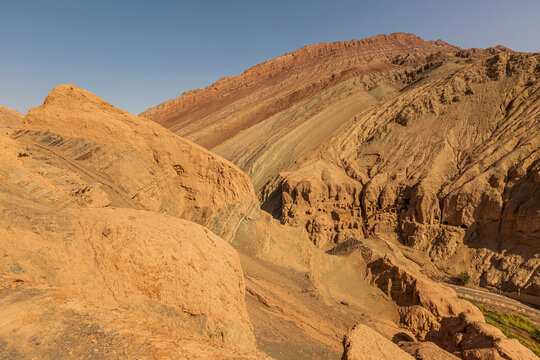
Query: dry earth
{"x": 9, "y": 118}
{"x": 119, "y": 239}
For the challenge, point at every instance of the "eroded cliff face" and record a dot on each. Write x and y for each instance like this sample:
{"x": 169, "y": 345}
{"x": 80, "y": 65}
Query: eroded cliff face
{"x": 449, "y": 168}
{"x": 422, "y": 142}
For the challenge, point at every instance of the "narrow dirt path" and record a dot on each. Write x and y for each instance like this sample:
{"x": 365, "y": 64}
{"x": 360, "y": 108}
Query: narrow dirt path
{"x": 500, "y": 301}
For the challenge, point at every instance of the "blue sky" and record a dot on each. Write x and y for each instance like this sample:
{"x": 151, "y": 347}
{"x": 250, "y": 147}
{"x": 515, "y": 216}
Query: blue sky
{"x": 136, "y": 54}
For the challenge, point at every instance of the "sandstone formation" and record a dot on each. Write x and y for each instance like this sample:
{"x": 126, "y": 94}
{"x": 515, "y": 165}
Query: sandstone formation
{"x": 419, "y": 141}
{"x": 440, "y": 169}
{"x": 365, "y": 343}
{"x": 86, "y": 251}
{"x": 433, "y": 312}
{"x": 9, "y": 117}
{"x": 160, "y": 172}
{"x": 478, "y": 341}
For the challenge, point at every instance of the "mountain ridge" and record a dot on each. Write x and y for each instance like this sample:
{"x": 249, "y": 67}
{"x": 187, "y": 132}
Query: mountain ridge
{"x": 356, "y": 115}
{"x": 10, "y": 117}
{"x": 380, "y": 50}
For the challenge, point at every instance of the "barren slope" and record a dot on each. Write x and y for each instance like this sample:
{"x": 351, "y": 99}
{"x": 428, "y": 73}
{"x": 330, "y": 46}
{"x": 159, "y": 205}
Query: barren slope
{"x": 161, "y": 172}
{"x": 82, "y": 279}
{"x": 449, "y": 167}
{"x": 10, "y": 117}
{"x": 265, "y": 118}
{"x": 91, "y": 267}
{"x": 423, "y": 142}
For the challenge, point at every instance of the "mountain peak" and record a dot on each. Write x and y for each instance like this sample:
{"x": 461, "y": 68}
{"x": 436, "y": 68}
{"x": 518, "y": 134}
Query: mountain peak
{"x": 295, "y": 76}
{"x": 9, "y": 117}
{"x": 73, "y": 96}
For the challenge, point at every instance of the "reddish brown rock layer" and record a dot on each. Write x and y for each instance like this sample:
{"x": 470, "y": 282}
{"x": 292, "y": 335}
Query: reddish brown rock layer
{"x": 277, "y": 84}
{"x": 273, "y": 107}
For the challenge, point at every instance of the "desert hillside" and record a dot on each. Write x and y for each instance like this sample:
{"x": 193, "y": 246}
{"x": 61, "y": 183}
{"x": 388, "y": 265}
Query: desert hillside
{"x": 289, "y": 105}
{"x": 91, "y": 263}
{"x": 122, "y": 240}
{"x": 449, "y": 167}
{"x": 419, "y": 142}
{"x": 9, "y": 117}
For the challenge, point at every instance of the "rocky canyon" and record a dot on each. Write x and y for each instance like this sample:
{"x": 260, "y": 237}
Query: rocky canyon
{"x": 316, "y": 206}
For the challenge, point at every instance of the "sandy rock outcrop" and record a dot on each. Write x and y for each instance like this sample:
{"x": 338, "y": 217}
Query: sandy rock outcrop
{"x": 159, "y": 268}
{"x": 442, "y": 170}
{"x": 156, "y": 169}
{"x": 434, "y": 313}
{"x": 426, "y": 351}
{"x": 9, "y": 117}
{"x": 423, "y": 303}
{"x": 46, "y": 322}
{"x": 475, "y": 340}
{"x": 364, "y": 343}
{"x": 164, "y": 272}
{"x": 320, "y": 196}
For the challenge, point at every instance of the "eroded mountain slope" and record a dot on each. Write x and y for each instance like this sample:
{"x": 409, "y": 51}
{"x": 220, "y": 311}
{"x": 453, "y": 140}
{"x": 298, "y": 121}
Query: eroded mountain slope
{"x": 267, "y": 117}
{"x": 10, "y": 117}
{"x": 89, "y": 255}
{"x": 449, "y": 167}
{"x": 421, "y": 141}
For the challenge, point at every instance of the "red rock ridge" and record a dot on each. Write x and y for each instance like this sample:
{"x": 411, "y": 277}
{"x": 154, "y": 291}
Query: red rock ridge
{"x": 292, "y": 71}
{"x": 232, "y": 104}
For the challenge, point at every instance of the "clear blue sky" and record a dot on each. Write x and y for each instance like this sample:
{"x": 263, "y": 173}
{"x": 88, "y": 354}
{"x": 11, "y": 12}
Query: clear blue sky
{"x": 136, "y": 54}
